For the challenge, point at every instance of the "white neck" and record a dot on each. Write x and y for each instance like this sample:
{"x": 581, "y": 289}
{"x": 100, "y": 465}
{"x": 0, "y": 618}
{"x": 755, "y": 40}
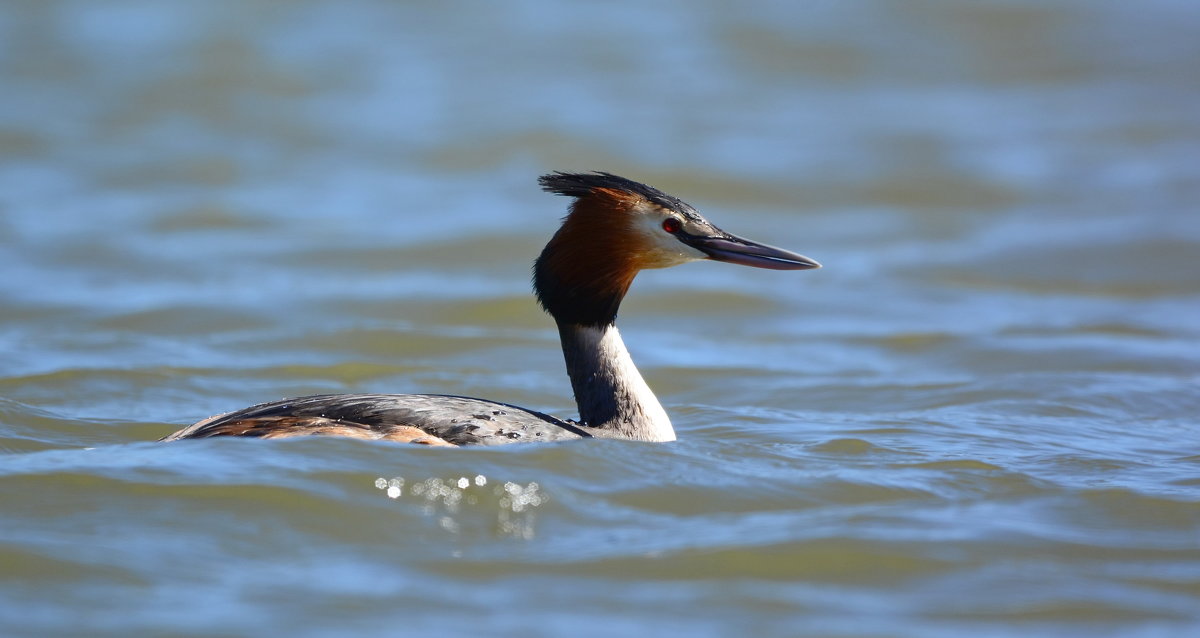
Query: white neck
{"x": 610, "y": 392}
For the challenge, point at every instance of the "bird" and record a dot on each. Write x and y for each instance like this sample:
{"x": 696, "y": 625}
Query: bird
{"x": 614, "y": 228}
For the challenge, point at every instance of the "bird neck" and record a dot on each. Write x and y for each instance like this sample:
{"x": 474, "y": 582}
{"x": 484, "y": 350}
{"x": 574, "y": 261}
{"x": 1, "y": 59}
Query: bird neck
{"x": 609, "y": 390}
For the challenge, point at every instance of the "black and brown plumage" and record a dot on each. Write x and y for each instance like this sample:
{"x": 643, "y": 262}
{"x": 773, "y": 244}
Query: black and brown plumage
{"x": 615, "y": 228}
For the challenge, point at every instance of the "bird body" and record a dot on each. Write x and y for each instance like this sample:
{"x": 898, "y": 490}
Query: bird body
{"x": 616, "y": 227}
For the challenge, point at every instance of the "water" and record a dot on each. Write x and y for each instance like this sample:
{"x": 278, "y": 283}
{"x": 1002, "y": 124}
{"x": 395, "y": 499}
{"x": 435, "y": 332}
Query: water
{"x": 978, "y": 419}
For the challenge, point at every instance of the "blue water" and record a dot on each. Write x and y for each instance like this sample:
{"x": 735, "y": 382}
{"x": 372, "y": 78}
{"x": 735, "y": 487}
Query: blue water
{"x": 979, "y": 418}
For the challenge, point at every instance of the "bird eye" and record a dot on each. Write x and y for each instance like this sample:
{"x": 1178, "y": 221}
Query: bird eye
{"x": 672, "y": 225}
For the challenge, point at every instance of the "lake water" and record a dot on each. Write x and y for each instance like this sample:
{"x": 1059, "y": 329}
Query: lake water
{"x": 979, "y": 419}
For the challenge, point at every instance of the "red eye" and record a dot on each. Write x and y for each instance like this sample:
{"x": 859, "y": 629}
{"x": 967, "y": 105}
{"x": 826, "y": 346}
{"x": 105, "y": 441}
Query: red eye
{"x": 672, "y": 225}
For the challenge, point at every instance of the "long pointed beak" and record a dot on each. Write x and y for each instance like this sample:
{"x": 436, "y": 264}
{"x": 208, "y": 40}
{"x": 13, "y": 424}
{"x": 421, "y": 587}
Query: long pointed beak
{"x": 735, "y": 250}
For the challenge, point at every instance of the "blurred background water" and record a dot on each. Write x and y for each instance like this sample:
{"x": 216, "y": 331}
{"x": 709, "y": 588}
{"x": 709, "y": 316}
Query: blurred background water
{"x": 978, "y": 419}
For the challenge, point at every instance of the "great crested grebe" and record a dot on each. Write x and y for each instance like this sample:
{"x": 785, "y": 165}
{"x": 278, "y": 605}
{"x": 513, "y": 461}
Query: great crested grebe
{"x": 615, "y": 228}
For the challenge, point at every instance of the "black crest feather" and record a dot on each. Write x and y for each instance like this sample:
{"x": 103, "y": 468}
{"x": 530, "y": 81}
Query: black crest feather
{"x": 581, "y": 185}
